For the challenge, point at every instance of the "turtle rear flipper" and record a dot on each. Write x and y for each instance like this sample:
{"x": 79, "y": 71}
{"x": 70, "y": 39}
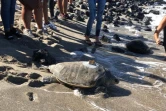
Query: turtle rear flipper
{"x": 45, "y": 68}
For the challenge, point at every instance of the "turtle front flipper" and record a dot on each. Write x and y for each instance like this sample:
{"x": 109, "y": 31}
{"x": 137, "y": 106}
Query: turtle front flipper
{"x": 49, "y": 79}
{"x": 109, "y": 79}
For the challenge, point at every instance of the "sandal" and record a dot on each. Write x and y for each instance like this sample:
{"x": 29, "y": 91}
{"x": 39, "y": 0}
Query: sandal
{"x": 99, "y": 44}
{"x": 88, "y": 42}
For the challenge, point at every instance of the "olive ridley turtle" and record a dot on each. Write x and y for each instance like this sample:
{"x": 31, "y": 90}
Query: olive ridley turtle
{"x": 83, "y": 74}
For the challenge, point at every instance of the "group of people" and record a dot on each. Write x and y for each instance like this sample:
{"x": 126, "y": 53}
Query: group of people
{"x": 41, "y": 11}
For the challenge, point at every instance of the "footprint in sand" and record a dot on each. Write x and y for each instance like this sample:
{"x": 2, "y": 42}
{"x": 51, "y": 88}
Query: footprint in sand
{"x": 7, "y": 58}
{"x": 5, "y": 68}
{"x": 35, "y": 83}
{"x": 2, "y": 75}
{"x": 16, "y": 80}
{"x": 22, "y": 74}
{"x": 32, "y": 96}
{"x": 4, "y": 71}
{"x": 34, "y": 76}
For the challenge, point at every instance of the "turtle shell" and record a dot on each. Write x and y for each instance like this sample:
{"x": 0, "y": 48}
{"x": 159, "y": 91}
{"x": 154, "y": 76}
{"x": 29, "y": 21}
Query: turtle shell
{"x": 78, "y": 74}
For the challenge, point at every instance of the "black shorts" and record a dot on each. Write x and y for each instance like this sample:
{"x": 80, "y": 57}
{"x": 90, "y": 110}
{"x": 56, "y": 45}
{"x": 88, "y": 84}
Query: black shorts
{"x": 164, "y": 41}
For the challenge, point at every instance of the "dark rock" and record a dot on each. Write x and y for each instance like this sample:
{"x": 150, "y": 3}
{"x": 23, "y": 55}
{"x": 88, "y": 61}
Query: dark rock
{"x": 105, "y": 28}
{"x": 71, "y": 16}
{"x": 83, "y": 6}
{"x": 87, "y": 13}
{"x": 79, "y": 18}
{"x": 139, "y": 15}
{"x": 70, "y": 9}
{"x": 116, "y": 22}
{"x": 106, "y": 39}
{"x": 146, "y": 28}
{"x": 146, "y": 20}
{"x": 155, "y": 12}
{"x": 116, "y": 37}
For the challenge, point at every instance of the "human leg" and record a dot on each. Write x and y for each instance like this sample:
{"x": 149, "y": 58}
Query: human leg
{"x": 60, "y": 6}
{"x": 51, "y": 5}
{"x": 38, "y": 17}
{"x": 45, "y": 11}
{"x": 12, "y": 12}
{"x": 92, "y": 8}
{"x": 5, "y": 14}
{"x": 64, "y": 4}
{"x": 47, "y": 23}
{"x": 26, "y": 17}
{"x": 100, "y": 10}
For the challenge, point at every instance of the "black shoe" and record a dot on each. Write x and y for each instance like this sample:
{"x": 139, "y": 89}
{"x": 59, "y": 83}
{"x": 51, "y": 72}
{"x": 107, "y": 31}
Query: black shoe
{"x": 66, "y": 16}
{"x": 15, "y": 32}
{"x": 9, "y": 35}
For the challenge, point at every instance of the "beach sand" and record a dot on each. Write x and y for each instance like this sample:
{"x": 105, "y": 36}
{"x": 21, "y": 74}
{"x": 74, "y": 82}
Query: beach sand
{"x": 142, "y": 84}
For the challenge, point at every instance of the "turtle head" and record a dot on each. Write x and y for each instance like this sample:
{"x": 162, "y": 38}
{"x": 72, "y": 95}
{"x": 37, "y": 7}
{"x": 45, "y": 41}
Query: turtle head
{"x": 109, "y": 78}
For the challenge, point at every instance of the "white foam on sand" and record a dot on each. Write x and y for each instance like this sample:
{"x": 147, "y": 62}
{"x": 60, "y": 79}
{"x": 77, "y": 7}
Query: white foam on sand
{"x": 146, "y": 107}
{"x": 156, "y": 18}
{"x": 150, "y": 63}
{"x": 97, "y": 107}
{"x": 77, "y": 93}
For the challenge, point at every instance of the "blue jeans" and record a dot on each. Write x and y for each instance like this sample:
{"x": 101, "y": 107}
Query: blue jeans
{"x": 7, "y": 13}
{"x": 100, "y": 10}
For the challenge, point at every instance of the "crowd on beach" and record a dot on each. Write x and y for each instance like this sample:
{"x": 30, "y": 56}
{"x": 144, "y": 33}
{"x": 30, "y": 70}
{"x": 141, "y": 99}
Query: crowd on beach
{"x": 38, "y": 9}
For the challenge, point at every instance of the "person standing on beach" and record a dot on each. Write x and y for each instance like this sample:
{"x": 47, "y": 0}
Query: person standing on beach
{"x": 100, "y": 10}
{"x": 62, "y": 4}
{"x": 47, "y": 23}
{"x": 161, "y": 26}
{"x": 51, "y": 5}
{"x": 7, "y": 15}
{"x": 27, "y": 14}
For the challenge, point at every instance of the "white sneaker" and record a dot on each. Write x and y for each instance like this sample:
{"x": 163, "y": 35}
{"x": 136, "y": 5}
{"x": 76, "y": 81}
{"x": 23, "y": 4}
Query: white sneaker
{"x": 51, "y": 25}
{"x": 28, "y": 33}
{"x": 17, "y": 7}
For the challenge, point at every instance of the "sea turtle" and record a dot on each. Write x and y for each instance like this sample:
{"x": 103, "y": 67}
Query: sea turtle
{"x": 83, "y": 74}
{"x": 138, "y": 46}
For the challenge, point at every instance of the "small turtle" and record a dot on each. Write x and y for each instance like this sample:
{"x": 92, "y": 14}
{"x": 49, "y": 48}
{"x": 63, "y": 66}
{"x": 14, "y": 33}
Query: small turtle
{"x": 81, "y": 74}
{"x": 138, "y": 46}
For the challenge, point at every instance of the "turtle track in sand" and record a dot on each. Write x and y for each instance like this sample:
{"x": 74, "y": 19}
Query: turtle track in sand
{"x": 16, "y": 80}
{"x": 17, "y": 75}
